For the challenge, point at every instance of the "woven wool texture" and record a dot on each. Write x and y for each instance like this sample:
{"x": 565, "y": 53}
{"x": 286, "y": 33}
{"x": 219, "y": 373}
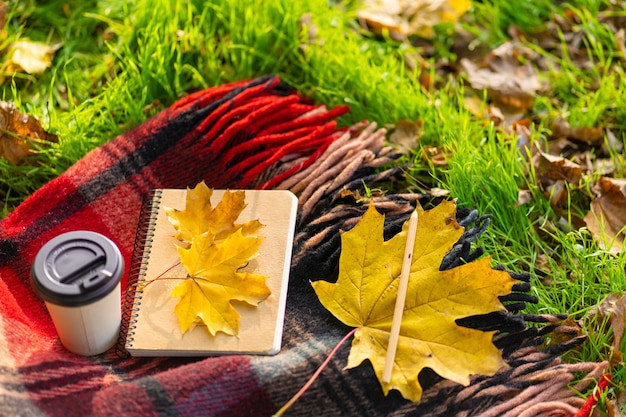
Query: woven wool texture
{"x": 250, "y": 134}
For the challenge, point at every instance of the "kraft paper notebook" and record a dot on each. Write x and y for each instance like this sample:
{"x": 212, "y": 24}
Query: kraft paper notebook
{"x": 151, "y": 328}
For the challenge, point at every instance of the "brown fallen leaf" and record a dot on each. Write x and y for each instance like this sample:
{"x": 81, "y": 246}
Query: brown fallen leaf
{"x": 552, "y": 174}
{"x": 613, "y": 143}
{"x": 417, "y": 64}
{"x": 4, "y": 7}
{"x": 556, "y": 167}
{"x": 438, "y": 192}
{"x": 603, "y": 166}
{"x": 615, "y": 406}
{"x": 309, "y": 31}
{"x": 503, "y": 117}
{"x": 406, "y": 135}
{"x": 436, "y": 155}
{"x": 614, "y": 18}
{"x": 561, "y": 36}
{"x": 620, "y": 43}
{"x": 467, "y": 45}
{"x": 17, "y": 133}
{"x": 613, "y": 309}
{"x": 27, "y": 56}
{"x": 592, "y": 136}
{"x": 607, "y": 217}
{"x": 507, "y": 81}
{"x": 521, "y": 130}
{"x": 566, "y": 148}
{"x": 523, "y": 197}
{"x": 544, "y": 269}
{"x": 403, "y": 18}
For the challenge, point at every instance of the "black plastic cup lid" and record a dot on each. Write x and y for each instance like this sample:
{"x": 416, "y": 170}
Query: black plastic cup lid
{"x": 76, "y": 268}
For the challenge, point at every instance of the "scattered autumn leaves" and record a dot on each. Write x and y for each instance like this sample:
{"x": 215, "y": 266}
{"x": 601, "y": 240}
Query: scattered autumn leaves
{"x": 501, "y": 86}
{"x": 566, "y": 160}
{"x": 19, "y": 133}
{"x": 509, "y": 83}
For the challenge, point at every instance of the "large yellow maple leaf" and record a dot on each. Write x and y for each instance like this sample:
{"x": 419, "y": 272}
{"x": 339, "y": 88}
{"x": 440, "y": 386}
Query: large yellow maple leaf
{"x": 365, "y": 293}
{"x": 216, "y": 248}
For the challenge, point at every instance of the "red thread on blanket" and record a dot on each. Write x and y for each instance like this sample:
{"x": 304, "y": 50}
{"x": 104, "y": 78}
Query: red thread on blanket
{"x": 315, "y": 120}
{"x": 271, "y": 146}
{"x": 234, "y": 103}
{"x": 286, "y": 113}
{"x": 302, "y": 145}
{"x": 273, "y": 182}
{"x": 239, "y": 118}
{"x": 203, "y": 97}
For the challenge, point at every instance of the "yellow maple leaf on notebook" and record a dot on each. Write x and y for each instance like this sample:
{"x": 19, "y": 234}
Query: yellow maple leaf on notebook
{"x": 200, "y": 216}
{"x": 214, "y": 251}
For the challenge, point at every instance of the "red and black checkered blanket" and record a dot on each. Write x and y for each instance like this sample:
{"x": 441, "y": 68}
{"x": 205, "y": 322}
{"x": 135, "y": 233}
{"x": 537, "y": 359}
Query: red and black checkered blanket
{"x": 250, "y": 134}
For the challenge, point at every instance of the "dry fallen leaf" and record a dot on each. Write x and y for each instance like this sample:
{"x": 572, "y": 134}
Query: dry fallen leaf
{"x": 553, "y": 172}
{"x": 17, "y": 133}
{"x": 607, "y": 217}
{"x": 403, "y": 18}
{"x": 507, "y": 81}
{"x": 505, "y": 117}
{"x": 612, "y": 308}
{"x": 563, "y": 40}
{"x": 436, "y": 155}
{"x": 592, "y": 136}
{"x": 523, "y": 197}
{"x": 306, "y": 26}
{"x": 616, "y": 407}
{"x": 613, "y": 144}
{"x": 620, "y": 44}
{"x": 406, "y": 135}
{"x": 27, "y": 56}
{"x": 365, "y": 293}
{"x": 438, "y": 192}
{"x": 215, "y": 248}
{"x": 3, "y": 17}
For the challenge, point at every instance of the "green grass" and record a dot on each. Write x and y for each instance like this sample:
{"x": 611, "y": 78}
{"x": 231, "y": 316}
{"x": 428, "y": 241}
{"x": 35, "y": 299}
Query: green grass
{"x": 120, "y": 63}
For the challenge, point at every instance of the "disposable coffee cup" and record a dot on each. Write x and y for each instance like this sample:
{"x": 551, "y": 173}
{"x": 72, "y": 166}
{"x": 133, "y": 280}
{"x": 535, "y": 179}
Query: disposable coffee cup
{"x": 77, "y": 274}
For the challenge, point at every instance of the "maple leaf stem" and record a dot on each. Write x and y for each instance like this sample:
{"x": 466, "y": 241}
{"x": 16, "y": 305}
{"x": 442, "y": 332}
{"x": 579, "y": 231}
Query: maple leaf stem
{"x": 315, "y": 375}
{"x": 161, "y": 278}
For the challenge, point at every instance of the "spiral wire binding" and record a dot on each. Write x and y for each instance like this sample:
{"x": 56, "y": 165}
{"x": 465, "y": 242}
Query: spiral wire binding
{"x": 137, "y": 272}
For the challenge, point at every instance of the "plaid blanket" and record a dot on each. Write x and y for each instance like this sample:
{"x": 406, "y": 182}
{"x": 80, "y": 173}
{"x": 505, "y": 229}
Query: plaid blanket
{"x": 251, "y": 134}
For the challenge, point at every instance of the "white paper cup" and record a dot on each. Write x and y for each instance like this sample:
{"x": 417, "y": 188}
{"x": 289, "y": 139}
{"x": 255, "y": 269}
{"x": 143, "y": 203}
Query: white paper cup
{"x": 78, "y": 275}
